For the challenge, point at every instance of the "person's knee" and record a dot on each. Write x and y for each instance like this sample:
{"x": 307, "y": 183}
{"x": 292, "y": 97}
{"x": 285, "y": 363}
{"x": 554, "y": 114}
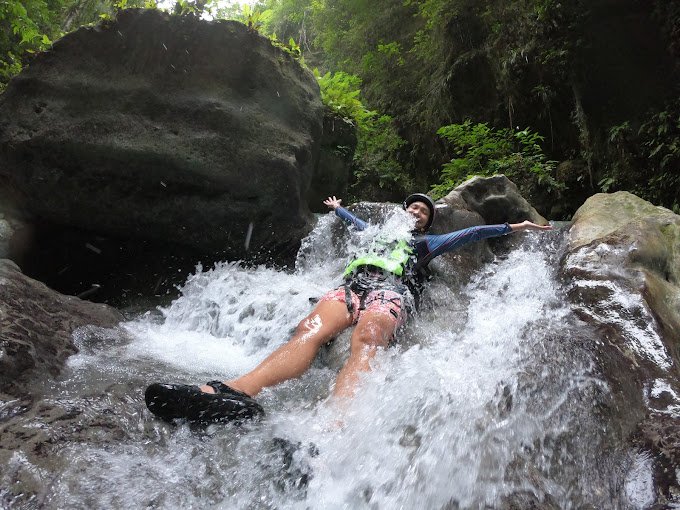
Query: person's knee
{"x": 310, "y": 329}
{"x": 309, "y": 325}
{"x": 372, "y": 336}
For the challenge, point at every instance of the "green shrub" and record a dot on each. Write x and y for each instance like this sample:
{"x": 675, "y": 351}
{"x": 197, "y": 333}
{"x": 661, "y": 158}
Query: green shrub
{"x": 646, "y": 161}
{"x": 23, "y": 27}
{"x": 481, "y": 150}
{"x": 376, "y": 159}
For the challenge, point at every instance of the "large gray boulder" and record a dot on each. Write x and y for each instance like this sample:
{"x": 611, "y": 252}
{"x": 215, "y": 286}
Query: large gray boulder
{"x": 496, "y": 199}
{"x": 622, "y": 267}
{"x": 167, "y": 129}
{"x": 36, "y": 329}
{"x": 626, "y": 241}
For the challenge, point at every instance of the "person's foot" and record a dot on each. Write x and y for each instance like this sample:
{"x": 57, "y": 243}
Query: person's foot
{"x": 210, "y": 387}
{"x": 181, "y": 401}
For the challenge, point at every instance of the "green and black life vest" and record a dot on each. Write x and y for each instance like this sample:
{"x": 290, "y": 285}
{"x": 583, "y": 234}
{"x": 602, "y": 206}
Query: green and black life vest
{"x": 393, "y": 257}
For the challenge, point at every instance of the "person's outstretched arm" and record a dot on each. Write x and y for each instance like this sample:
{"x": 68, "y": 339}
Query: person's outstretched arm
{"x": 333, "y": 203}
{"x": 431, "y": 246}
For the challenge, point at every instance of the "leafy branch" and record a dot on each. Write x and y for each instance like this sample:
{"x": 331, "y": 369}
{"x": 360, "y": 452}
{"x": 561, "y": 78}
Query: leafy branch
{"x": 482, "y": 150}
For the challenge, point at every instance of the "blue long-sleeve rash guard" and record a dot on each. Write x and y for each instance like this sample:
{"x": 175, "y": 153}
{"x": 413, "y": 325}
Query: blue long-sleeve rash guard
{"x": 429, "y": 246}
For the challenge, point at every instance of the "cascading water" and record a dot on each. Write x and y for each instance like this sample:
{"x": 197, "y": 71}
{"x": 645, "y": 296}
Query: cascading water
{"x": 487, "y": 400}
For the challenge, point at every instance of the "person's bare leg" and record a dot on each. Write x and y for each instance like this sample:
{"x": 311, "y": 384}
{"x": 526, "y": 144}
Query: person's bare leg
{"x": 373, "y": 331}
{"x": 328, "y": 319}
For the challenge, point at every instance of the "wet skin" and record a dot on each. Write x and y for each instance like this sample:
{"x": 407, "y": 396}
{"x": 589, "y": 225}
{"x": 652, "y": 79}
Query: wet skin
{"x": 326, "y": 321}
{"x": 420, "y": 212}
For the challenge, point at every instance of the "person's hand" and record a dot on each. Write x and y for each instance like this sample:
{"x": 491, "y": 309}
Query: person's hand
{"x": 332, "y": 202}
{"x": 527, "y": 225}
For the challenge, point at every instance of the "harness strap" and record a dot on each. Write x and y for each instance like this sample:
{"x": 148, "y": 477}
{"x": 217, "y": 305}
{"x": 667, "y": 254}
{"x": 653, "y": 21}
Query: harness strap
{"x": 362, "y": 301}
{"x": 396, "y": 301}
{"x": 348, "y": 299}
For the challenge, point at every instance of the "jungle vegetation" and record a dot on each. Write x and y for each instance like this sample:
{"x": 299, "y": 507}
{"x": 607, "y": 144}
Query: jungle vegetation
{"x": 566, "y": 98}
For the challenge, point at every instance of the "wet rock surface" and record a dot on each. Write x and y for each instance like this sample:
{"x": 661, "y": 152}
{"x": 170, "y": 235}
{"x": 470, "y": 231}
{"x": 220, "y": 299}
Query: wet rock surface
{"x": 166, "y": 129}
{"x": 623, "y": 269}
{"x": 638, "y": 239}
{"x": 36, "y": 326}
{"x": 37, "y": 330}
{"x": 36, "y": 432}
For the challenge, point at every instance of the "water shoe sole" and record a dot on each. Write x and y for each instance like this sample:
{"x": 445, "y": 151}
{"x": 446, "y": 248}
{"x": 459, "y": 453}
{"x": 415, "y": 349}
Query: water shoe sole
{"x": 181, "y": 401}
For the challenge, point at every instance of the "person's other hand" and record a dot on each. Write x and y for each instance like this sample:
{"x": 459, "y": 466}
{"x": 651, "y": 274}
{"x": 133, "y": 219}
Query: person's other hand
{"x": 527, "y": 225}
{"x": 332, "y": 202}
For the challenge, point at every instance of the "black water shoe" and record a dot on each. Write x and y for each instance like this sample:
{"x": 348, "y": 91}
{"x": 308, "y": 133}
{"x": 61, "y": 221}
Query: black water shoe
{"x": 183, "y": 401}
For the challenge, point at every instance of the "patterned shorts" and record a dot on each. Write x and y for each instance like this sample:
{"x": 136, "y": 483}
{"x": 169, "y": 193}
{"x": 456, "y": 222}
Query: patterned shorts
{"x": 385, "y": 302}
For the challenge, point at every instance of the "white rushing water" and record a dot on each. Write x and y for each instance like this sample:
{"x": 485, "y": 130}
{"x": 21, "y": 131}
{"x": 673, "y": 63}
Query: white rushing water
{"x": 485, "y": 398}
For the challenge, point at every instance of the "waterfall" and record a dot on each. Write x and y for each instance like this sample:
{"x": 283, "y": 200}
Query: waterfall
{"x": 489, "y": 398}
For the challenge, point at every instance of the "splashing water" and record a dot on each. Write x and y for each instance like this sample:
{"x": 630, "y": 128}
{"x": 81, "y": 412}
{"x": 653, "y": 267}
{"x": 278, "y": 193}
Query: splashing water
{"x": 484, "y": 400}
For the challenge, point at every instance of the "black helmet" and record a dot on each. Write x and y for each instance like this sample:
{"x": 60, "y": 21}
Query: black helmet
{"x": 421, "y": 197}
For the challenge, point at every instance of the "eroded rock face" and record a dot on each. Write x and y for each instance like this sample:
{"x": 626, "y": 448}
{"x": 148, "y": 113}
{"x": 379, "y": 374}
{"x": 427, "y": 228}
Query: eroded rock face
{"x": 623, "y": 268}
{"x": 167, "y": 129}
{"x": 36, "y": 329}
{"x": 34, "y": 434}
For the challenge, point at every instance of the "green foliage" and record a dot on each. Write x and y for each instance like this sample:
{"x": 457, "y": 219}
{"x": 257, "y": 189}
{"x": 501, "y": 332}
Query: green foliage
{"x": 340, "y": 92}
{"x": 9, "y": 66}
{"x": 26, "y": 27}
{"x": 622, "y": 163}
{"x": 253, "y": 18}
{"x": 181, "y": 8}
{"x": 393, "y": 51}
{"x": 376, "y": 158}
{"x": 659, "y": 138}
{"x": 30, "y": 26}
{"x": 291, "y": 19}
{"x": 481, "y": 150}
{"x": 222, "y": 10}
{"x": 292, "y": 48}
{"x": 646, "y": 161}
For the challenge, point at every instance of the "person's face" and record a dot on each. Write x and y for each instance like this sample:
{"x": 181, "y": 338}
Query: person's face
{"x": 420, "y": 212}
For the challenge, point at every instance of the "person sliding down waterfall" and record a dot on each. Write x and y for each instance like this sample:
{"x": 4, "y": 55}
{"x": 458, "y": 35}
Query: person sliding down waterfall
{"x": 381, "y": 290}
